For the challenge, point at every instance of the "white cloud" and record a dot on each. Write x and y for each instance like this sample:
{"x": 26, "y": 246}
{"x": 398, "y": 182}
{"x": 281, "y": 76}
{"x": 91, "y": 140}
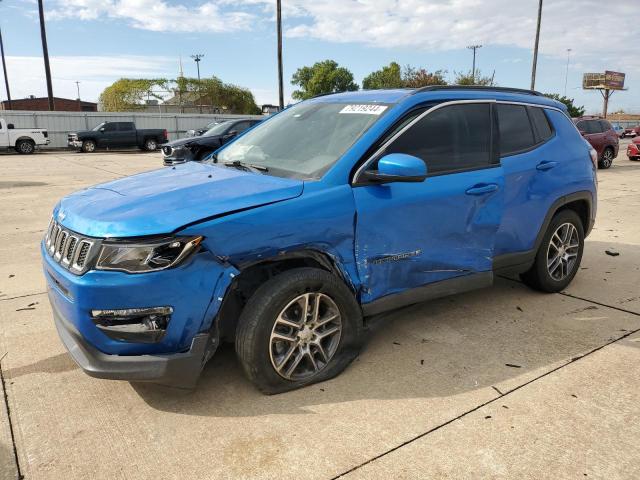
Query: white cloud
{"x": 26, "y": 74}
{"x": 155, "y": 15}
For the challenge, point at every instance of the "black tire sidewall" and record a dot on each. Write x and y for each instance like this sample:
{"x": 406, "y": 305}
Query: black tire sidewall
{"x": 25, "y": 142}
{"x": 259, "y": 315}
{"x": 543, "y": 279}
{"x": 147, "y": 147}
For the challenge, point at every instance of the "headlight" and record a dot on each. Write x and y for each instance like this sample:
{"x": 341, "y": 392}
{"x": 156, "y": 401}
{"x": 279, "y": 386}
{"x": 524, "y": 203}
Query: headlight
{"x": 146, "y": 256}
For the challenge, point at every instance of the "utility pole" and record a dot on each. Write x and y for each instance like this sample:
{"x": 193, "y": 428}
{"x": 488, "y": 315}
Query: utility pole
{"x": 45, "y": 52}
{"x": 473, "y": 68}
{"x": 535, "y": 48}
{"x": 279, "y": 29}
{"x": 78, "y": 87}
{"x": 566, "y": 73}
{"x": 4, "y": 67}
{"x": 196, "y": 58}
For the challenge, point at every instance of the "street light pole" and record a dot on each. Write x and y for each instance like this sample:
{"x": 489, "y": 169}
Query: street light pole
{"x": 196, "y": 58}
{"x": 566, "y": 73}
{"x": 279, "y": 29}
{"x": 4, "y": 68}
{"x": 78, "y": 87}
{"x": 45, "y": 52}
{"x": 473, "y": 68}
{"x": 535, "y": 48}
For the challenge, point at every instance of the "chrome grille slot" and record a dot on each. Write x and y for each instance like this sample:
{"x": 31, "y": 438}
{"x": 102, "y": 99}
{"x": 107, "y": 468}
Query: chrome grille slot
{"x": 72, "y": 251}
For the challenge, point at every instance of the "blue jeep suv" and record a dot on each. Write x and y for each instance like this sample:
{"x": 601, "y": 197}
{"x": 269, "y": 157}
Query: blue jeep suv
{"x": 334, "y": 210}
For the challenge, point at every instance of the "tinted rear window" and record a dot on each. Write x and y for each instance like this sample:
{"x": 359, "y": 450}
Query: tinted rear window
{"x": 605, "y": 125}
{"x": 516, "y": 134}
{"x": 540, "y": 123}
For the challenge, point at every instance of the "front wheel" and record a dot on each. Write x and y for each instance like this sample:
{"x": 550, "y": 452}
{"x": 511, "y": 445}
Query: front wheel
{"x": 301, "y": 327}
{"x": 607, "y": 158}
{"x": 88, "y": 146}
{"x": 150, "y": 144}
{"x": 559, "y": 255}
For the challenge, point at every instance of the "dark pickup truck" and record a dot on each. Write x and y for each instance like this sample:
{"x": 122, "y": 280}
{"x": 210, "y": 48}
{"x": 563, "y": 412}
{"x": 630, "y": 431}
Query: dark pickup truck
{"x": 117, "y": 135}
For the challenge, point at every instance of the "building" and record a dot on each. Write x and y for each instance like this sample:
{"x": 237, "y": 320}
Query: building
{"x": 624, "y": 119}
{"x": 34, "y": 103}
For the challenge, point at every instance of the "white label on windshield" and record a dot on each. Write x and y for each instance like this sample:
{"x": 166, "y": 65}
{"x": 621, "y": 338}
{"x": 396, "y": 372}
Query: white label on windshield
{"x": 366, "y": 109}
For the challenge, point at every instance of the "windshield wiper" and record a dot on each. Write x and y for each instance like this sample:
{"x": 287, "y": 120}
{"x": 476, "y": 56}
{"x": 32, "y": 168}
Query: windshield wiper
{"x": 246, "y": 166}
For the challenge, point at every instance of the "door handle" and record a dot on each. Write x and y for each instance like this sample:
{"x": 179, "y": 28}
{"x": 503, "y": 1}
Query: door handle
{"x": 482, "y": 189}
{"x": 542, "y": 166}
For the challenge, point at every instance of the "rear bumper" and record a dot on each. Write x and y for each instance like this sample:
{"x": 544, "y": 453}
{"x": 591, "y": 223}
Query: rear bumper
{"x": 178, "y": 369}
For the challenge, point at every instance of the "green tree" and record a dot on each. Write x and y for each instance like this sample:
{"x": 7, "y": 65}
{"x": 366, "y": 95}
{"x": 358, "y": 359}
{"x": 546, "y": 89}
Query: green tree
{"x": 574, "y": 111}
{"x": 420, "y": 77}
{"x": 387, "y": 77}
{"x": 467, "y": 78}
{"x": 129, "y": 94}
{"x": 392, "y": 76}
{"x": 322, "y": 77}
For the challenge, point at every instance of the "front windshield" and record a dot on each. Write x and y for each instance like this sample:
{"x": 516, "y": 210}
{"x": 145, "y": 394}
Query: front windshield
{"x": 98, "y": 127}
{"x": 305, "y": 140}
{"x": 216, "y": 129}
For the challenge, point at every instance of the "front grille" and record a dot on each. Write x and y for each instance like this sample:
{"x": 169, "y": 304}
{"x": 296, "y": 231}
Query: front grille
{"x": 71, "y": 250}
{"x": 166, "y": 150}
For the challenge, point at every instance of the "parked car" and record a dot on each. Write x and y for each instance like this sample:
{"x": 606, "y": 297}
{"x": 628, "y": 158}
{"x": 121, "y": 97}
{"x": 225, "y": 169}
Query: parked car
{"x": 602, "y": 137}
{"x": 22, "y": 140}
{"x": 633, "y": 149}
{"x": 199, "y": 131}
{"x": 117, "y": 135}
{"x": 619, "y": 129}
{"x": 197, "y": 148}
{"x": 631, "y": 131}
{"x": 336, "y": 209}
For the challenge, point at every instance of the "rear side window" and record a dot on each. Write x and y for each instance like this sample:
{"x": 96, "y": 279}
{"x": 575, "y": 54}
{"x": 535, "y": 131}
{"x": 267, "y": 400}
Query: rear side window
{"x": 604, "y": 125}
{"x": 126, "y": 126}
{"x": 540, "y": 123}
{"x": 451, "y": 138}
{"x": 516, "y": 134}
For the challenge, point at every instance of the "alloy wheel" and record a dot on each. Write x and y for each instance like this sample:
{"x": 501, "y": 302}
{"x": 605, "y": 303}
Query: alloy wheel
{"x": 305, "y": 336}
{"x": 562, "y": 252}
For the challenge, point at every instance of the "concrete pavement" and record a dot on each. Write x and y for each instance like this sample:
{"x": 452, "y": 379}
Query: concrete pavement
{"x": 413, "y": 405}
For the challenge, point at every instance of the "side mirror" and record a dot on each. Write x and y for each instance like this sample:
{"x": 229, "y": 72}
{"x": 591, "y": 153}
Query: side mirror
{"x": 102, "y": 129}
{"x": 397, "y": 167}
{"x": 10, "y": 126}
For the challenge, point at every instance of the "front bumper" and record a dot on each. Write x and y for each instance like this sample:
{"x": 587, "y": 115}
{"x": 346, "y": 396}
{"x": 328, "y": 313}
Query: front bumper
{"x": 178, "y": 369}
{"x": 74, "y": 143}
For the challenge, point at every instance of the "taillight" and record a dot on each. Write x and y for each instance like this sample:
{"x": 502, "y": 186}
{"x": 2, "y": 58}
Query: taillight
{"x": 594, "y": 158}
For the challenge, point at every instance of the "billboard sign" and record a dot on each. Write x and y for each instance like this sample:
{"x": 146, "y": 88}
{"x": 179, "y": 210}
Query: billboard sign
{"x": 607, "y": 80}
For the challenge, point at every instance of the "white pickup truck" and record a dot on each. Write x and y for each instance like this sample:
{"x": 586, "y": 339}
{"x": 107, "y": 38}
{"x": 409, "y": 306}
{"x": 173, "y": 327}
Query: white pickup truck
{"x": 23, "y": 140}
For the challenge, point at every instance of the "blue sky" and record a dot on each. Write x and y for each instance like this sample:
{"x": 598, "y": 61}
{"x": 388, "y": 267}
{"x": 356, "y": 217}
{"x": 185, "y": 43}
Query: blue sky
{"x": 99, "y": 41}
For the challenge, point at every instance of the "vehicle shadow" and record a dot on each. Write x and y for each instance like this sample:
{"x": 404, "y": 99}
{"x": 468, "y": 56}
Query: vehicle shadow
{"x": 501, "y": 336}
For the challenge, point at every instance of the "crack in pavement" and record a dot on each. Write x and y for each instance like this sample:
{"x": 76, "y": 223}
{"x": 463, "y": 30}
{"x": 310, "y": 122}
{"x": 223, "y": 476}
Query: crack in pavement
{"x": 22, "y": 296}
{"x": 20, "y": 476}
{"x": 504, "y": 394}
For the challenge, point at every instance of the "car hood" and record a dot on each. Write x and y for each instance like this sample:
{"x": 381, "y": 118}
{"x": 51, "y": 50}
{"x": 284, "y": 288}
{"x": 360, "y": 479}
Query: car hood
{"x": 163, "y": 201}
{"x": 214, "y": 139}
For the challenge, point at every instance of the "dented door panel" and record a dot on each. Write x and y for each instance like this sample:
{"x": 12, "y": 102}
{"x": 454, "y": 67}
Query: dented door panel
{"x": 413, "y": 234}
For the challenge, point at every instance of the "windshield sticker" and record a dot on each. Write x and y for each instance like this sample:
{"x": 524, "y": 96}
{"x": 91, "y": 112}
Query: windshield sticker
{"x": 366, "y": 109}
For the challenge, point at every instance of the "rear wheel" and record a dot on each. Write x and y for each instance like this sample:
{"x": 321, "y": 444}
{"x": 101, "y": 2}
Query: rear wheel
{"x": 150, "y": 145}
{"x": 301, "y": 327}
{"x": 559, "y": 255}
{"x": 607, "y": 158}
{"x": 88, "y": 146}
{"x": 25, "y": 147}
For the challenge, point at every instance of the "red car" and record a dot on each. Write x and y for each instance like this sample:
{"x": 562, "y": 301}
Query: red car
{"x": 602, "y": 137}
{"x": 633, "y": 150}
{"x": 631, "y": 132}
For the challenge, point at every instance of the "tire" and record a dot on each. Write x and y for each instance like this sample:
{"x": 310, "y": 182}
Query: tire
{"x": 150, "y": 145}
{"x": 268, "y": 316}
{"x": 607, "y": 158}
{"x": 25, "y": 147}
{"x": 550, "y": 279}
{"x": 88, "y": 146}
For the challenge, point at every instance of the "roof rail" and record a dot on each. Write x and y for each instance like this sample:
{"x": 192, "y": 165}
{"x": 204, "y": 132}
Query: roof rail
{"x": 432, "y": 88}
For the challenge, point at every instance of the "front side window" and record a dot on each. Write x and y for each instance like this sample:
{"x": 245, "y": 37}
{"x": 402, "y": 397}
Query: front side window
{"x": 604, "y": 125}
{"x": 516, "y": 134}
{"x": 110, "y": 127}
{"x": 452, "y": 138}
{"x": 217, "y": 129}
{"x": 305, "y": 140}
